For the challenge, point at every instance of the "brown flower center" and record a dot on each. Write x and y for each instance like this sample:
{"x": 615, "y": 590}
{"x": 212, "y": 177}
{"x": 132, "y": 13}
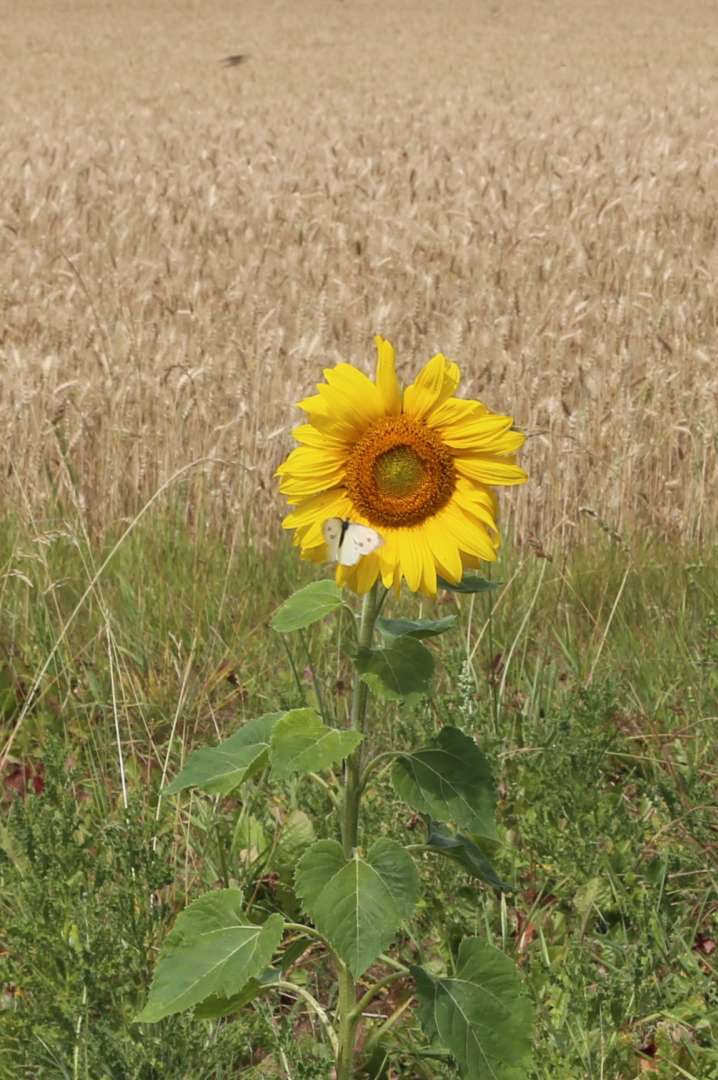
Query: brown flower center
{"x": 399, "y": 473}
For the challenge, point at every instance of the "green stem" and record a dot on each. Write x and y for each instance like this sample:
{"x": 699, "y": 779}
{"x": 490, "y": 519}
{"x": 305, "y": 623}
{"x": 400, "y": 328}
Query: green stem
{"x": 347, "y": 1025}
{"x": 386, "y": 756}
{"x": 348, "y": 1019}
{"x": 221, "y": 853}
{"x": 374, "y": 990}
{"x": 360, "y": 694}
{"x": 493, "y": 674}
{"x": 292, "y": 988}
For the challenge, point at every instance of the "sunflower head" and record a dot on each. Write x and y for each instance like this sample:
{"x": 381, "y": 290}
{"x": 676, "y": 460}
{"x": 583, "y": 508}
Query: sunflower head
{"x": 416, "y": 466}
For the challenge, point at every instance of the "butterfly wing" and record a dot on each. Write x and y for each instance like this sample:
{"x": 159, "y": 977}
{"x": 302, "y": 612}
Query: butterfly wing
{"x": 358, "y": 540}
{"x": 333, "y": 529}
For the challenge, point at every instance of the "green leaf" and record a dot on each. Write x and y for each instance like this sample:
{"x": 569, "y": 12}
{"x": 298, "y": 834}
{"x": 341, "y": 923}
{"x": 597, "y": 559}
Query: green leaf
{"x": 450, "y": 780}
{"x": 462, "y": 850}
{"x": 219, "y": 769}
{"x": 401, "y": 671}
{"x": 360, "y": 903}
{"x": 415, "y": 628}
{"x": 249, "y": 838}
{"x": 470, "y": 583}
{"x": 214, "y": 1006}
{"x": 294, "y": 839}
{"x": 307, "y": 605}
{"x": 302, "y": 743}
{"x": 481, "y": 1015}
{"x": 212, "y": 951}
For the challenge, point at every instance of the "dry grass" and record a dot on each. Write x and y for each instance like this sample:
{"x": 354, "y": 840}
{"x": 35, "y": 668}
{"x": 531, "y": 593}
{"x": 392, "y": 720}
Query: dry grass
{"x": 185, "y": 245}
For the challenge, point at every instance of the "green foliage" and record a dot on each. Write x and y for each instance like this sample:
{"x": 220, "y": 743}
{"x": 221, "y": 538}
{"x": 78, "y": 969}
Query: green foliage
{"x": 358, "y": 904}
{"x": 307, "y": 606}
{"x": 470, "y": 583}
{"x": 302, "y": 743}
{"x": 218, "y": 770}
{"x": 605, "y": 815}
{"x": 212, "y": 950}
{"x": 450, "y": 780}
{"x": 481, "y": 1014}
{"x": 402, "y": 671}
{"x": 81, "y": 909}
{"x": 465, "y": 853}
{"x": 415, "y": 628}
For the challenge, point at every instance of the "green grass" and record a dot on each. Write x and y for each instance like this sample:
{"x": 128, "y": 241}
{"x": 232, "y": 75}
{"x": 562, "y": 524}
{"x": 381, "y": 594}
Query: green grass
{"x": 592, "y": 688}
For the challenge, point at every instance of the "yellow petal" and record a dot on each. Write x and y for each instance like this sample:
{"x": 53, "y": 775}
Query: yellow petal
{"x": 428, "y": 575}
{"x": 489, "y": 469}
{"x": 474, "y": 501}
{"x": 388, "y": 556}
{"x": 469, "y": 533}
{"x": 308, "y": 435}
{"x": 301, "y": 487}
{"x": 307, "y": 460}
{"x": 351, "y": 392}
{"x": 455, "y": 411}
{"x": 478, "y": 494}
{"x": 334, "y": 422}
{"x": 444, "y": 550}
{"x": 367, "y": 571}
{"x": 318, "y": 508}
{"x": 487, "y": 433}
{"x": 433, "y": 385}
{"x": 410, "y": 558}
{"x": 386, "y": 380}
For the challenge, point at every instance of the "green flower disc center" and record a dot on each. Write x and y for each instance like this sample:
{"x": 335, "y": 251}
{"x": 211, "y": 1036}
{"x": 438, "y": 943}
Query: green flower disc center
{"x": 399, "y": 471}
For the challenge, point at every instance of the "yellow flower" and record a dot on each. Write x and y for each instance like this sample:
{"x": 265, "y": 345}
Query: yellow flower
{"x": 414, "y": 466}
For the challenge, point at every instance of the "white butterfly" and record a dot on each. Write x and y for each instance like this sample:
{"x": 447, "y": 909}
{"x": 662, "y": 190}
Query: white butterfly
{"x": 347, "y": 541}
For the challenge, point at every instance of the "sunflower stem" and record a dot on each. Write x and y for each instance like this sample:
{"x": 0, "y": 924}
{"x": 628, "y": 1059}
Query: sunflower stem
{"x": 348, "y": 1018}
{"x": 360, "y": 693}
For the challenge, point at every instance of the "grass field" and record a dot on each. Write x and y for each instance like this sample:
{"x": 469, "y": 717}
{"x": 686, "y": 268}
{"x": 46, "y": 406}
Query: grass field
{"x": 532, "y": 190}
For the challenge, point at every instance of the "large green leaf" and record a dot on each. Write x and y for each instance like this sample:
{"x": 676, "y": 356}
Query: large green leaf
{"x": 215, "y": 1006}
{"x": 400, "y": 672}
{"x": 463, "y": 851}
{"x": 213, "y": 950}
{"x": 415, "y": 628}
{"x": 360, "y": 903}
{"x": 302, "y": 743}
{"x": 481, "y": 1015}
{"x": 307, "y": 605}
{"x": 470, "y": 583}
{"x": 450, "y": 780}
{"x": 219, "y": 769}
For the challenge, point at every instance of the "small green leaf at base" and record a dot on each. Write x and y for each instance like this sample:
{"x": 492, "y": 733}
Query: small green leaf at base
{"x": 212, "y": 951}
{"x": 415, "y": 628}
{"x": 450, "y": 780}
{"x": 400, "y": 672}
{"x": 217, "y": 770}
{"x": 465, "y": 853}
{"x": 481, "y": 1015}
{"x": 470, "y": 583}
{"x": 360, "y": 903}
{"x": 302, "y": 743}
{"x": 307, "y": 606}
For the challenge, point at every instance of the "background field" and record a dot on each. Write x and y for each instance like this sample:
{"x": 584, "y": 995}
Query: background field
{"x": 533, "y": 190}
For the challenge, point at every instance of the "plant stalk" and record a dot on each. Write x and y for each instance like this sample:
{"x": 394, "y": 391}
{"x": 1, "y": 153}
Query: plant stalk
{"x": 360, "y": 693}
{"x": 348, "y": 1018}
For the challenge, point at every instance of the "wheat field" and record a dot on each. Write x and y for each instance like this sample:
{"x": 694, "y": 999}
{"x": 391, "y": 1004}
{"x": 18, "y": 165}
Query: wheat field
{"x": 530, "y": 188}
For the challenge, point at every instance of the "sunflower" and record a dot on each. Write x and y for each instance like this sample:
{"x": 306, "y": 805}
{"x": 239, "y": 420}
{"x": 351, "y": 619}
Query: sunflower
{"x": 416, "y": 466}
